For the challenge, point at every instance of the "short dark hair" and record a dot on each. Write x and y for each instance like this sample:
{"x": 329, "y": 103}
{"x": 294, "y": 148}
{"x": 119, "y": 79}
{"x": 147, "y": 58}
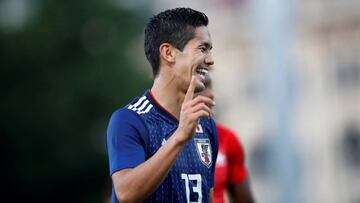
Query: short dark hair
{"x": 174, "y": 26}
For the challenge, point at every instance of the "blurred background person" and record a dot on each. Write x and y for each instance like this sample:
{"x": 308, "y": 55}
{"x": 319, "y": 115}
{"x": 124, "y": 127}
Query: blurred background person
{"x": 231, "y": 175}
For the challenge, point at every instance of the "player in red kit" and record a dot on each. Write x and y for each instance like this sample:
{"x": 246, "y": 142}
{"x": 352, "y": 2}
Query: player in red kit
{"x": 231, "y": 175}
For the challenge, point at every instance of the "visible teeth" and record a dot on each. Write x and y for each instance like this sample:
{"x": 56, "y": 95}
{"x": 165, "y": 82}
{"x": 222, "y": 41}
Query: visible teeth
{"x": 202, "y": 71}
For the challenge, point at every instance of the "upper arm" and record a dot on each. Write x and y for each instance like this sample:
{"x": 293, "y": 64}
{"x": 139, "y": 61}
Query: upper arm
{"x": 125, "y": 144}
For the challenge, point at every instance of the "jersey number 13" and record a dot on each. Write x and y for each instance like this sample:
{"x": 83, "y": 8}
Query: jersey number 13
{"x": 196, "y": 189}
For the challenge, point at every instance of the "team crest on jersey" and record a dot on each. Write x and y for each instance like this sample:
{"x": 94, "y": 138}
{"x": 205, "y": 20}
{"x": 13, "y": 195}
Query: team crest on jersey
{"x": 203, "y": 148}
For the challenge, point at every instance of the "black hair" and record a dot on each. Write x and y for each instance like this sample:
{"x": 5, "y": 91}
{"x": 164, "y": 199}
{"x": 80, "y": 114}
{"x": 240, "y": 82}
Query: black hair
{"x": 174, "y": 26}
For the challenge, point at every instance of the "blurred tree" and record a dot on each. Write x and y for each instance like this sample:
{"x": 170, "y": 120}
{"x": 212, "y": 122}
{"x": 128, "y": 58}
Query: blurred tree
{"x": 61, "y": 77}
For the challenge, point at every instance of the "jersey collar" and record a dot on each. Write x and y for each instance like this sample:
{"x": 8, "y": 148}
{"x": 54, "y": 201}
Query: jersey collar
{"x": 159, "y": 107}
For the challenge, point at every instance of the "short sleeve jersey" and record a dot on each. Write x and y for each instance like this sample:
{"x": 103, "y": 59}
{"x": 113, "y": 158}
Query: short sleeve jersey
{"x": 230, "y": 166}
{"x": 138, "y": 130}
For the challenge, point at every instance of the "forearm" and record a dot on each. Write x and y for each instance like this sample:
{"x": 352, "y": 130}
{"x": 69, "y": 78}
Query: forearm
{"x": 133, "y": 185}
{"x": 241, "y": 193}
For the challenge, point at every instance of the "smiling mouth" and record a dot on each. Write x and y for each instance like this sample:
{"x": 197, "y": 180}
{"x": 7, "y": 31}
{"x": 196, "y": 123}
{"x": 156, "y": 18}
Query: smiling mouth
{"x": 201, "y": 70}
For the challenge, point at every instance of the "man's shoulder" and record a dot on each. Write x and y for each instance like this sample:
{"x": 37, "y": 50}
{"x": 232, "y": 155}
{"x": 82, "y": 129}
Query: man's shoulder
{"x": 131, "y": 111}
{"x": 224, "y": 130}
{"x": 140, "y": 105}
{"x": 128, "y": 117}
{"x": 230, "y": 138}
{"x": 124, "y": 115}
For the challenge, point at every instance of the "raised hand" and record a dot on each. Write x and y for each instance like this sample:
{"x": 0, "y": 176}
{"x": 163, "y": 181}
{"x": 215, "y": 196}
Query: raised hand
{"x": 192, "y": 110}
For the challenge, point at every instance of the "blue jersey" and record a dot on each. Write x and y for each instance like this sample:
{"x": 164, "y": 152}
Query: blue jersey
{"x": 138, "y": 130}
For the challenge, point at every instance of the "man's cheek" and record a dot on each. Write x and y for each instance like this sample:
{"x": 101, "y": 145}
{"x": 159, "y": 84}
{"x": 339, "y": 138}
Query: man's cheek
{"x": 198, "y": 58}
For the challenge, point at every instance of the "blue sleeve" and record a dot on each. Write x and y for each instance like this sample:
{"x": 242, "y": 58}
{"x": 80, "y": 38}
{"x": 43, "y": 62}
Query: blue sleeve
{"x": 125, "y": 140}
{"x": 215, "y": 147}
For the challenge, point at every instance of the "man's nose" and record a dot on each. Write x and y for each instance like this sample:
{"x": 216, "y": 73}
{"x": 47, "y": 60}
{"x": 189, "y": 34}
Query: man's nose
{"x": 209, "y": 59}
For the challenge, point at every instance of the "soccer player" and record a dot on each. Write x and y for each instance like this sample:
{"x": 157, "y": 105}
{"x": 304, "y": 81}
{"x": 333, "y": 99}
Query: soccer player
{"x": 231, "y": 176}
{"x": 162, "y": 146}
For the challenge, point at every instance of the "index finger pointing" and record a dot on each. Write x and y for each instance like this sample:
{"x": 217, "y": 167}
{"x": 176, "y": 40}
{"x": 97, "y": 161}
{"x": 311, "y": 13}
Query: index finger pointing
{"x": 190, "y": 92}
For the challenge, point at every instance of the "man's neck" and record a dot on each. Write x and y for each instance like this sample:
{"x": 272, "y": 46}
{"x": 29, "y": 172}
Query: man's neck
{"x": 168, "y": 95}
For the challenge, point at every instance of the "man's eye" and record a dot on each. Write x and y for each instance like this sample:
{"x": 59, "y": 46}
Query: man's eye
{"x": 203, "y": 49}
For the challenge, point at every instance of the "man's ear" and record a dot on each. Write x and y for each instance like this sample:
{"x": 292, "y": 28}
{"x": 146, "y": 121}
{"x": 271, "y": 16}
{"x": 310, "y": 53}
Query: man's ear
{"x": 167, "y": 52}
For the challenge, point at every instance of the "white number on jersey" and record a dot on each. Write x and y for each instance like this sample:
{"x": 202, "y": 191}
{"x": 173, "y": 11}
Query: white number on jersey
{"x": 197, "y": 188}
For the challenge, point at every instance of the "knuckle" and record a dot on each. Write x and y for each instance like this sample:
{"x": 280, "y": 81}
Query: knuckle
{"x": 205, "y": 107}
{"x": 201, "y": 98}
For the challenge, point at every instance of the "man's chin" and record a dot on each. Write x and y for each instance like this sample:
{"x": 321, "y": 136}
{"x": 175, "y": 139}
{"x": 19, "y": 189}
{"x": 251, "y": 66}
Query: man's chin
{"x": 199, "y": 88}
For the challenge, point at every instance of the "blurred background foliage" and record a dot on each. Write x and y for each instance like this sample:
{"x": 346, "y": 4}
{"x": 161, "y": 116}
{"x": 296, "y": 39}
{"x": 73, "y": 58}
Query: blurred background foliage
{"x": 62, "y": 74}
